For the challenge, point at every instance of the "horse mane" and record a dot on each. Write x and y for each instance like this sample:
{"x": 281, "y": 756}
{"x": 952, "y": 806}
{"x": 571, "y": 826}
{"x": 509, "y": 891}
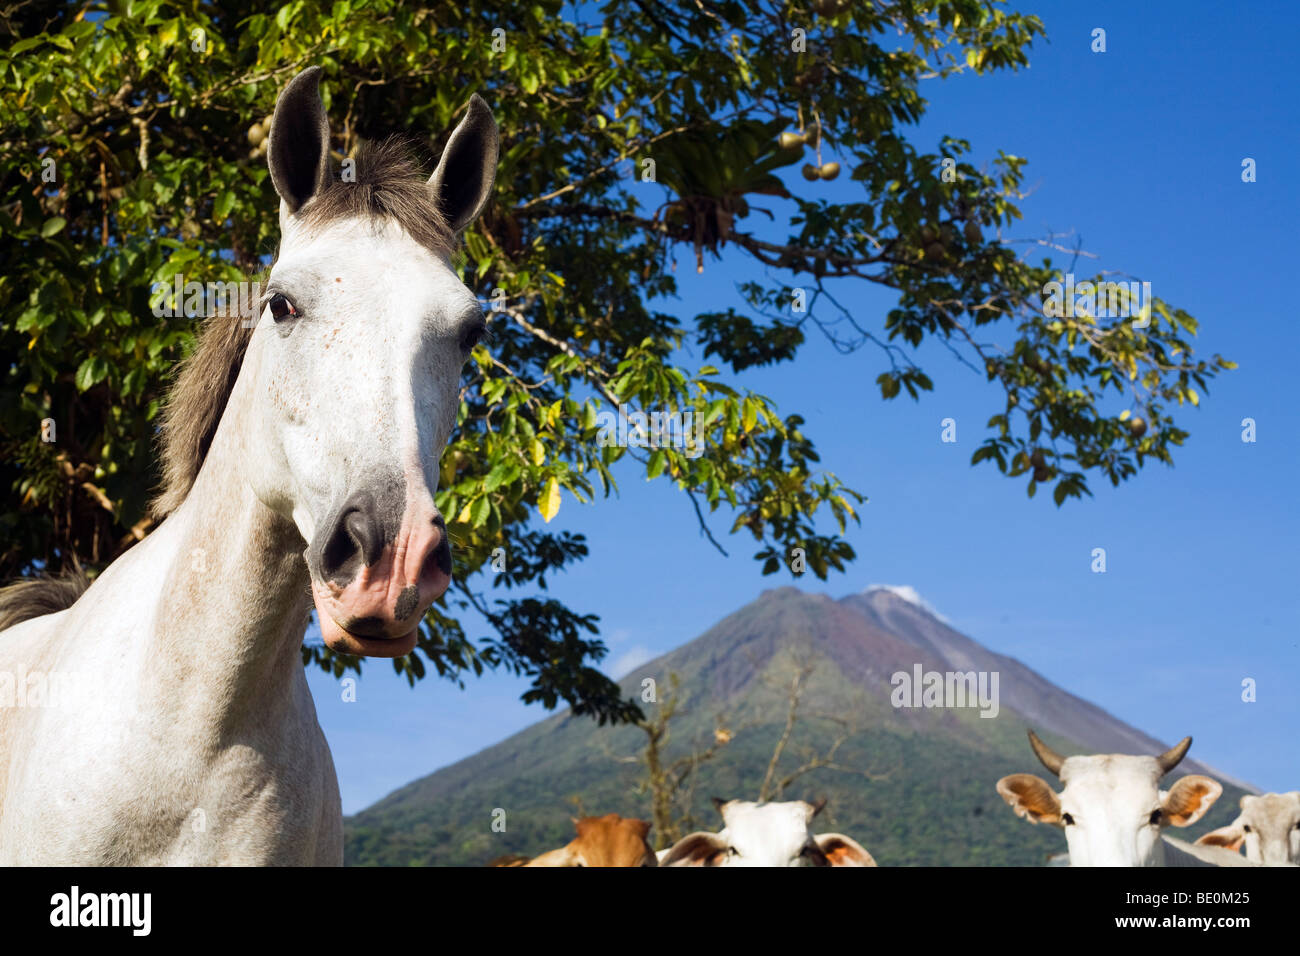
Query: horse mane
{"x": 195, "y": 405}
{"x": 43, "y": 594}
{"x": 388, "y": 186}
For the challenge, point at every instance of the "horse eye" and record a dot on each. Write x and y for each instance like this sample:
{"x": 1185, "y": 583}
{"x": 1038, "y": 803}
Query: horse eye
{"x": 473, "y": 337}
{"x": 281, "y": 307}
{"x": 1067, "y": 819}
{"x": 1155, "y": 818}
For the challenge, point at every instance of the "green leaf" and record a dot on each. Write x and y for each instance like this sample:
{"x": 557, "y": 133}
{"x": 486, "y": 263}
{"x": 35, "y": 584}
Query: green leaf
{"x": 221, "y": 208}
{"x": 53, "y": 226}
{"x": 480, "y": 510}
{"x": 92, "y": 371}
{"x": 655, "y": 467}
{"x": 22, "y": 46}
{"x": 497, "y": 476}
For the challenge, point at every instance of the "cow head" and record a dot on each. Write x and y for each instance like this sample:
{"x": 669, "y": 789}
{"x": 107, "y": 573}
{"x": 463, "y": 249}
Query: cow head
{"x": 766, "y": 834}
{"x": 1268, "y": 827}
{"x": 610, "y": 840}
{"x": 1111, "y": 806}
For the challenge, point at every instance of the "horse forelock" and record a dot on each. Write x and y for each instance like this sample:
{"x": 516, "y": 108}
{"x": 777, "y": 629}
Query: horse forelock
{"x": 388, "y": 185}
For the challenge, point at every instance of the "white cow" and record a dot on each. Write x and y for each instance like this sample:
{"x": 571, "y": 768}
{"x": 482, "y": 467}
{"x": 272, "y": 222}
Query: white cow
{"x": 1112, "y": 809}
{"x": 1268, "y": 826}
{"x": 766, "y": 834}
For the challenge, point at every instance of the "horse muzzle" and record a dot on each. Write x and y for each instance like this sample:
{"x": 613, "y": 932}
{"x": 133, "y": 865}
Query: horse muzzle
{"x": 371, "y": 587}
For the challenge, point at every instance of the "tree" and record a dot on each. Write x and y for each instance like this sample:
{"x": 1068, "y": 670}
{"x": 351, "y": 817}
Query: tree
{"x": 670, "y": 782}
{"x": 793, "y": 682}
{"x": 633, "y": 133}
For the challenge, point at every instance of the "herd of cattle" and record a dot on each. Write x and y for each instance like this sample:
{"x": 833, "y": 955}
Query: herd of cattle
{"x": 1110, "y": 807}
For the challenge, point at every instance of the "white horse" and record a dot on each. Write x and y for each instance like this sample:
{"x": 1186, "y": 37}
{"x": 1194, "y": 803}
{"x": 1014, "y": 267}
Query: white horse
{"x": 301, "y": 458}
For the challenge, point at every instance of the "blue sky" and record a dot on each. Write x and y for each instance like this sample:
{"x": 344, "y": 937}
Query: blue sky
{"x": 1138, "y": 151}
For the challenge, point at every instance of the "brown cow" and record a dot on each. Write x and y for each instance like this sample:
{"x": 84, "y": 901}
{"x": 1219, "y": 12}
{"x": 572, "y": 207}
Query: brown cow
{"x": 610, "y": 840}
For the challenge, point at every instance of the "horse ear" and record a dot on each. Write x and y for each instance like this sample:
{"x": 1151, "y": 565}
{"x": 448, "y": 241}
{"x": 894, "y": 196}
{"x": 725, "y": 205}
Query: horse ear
{"x": 299, "y": 152}
{"x": 463, "y": 180}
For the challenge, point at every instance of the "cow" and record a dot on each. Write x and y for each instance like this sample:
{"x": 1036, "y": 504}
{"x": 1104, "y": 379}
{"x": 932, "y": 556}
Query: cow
{"x": 1112, "y": 809}
{"x": 766, "y": 834}
{"x": 1268, "y": 827}
{"x": 610, "y": 840}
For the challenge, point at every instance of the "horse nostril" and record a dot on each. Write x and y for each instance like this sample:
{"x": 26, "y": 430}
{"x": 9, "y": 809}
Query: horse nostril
{"x": 441, "y": 556}
{"x": 355, "y": 540}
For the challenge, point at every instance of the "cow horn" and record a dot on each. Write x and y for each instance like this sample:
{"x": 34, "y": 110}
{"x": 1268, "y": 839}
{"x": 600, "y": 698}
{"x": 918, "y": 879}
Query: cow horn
{"x": 1171, "y": 757}
{"x": 1049, "y": 757}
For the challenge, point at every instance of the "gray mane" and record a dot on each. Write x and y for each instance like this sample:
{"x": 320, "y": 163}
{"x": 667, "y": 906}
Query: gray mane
{"x": 43, "y": 594}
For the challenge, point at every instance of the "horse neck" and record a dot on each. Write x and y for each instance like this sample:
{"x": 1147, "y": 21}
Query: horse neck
{"x": 235, "y": 601}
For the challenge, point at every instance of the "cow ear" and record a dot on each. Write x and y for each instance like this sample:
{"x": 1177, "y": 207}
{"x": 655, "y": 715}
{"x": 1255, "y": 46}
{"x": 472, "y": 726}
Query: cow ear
{"x": 696, "y": 849}
{"x": 1230, "y": 837}
{"x": 1189, "y": 798}
{"x": 463, "y": 180}
{"x": 298, "y": 154}
{"x": 843, "y": 851}
{"x": 1031, "y": 798}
